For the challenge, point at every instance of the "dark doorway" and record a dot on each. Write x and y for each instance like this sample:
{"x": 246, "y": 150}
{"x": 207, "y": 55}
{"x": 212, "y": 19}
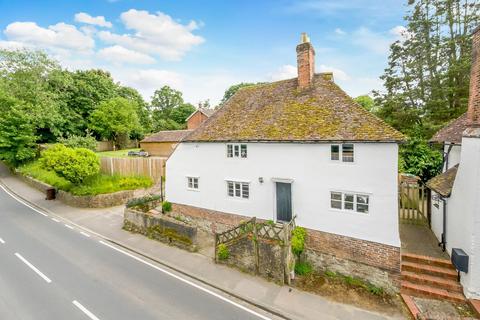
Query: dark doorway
{"x": 284, "y": 201}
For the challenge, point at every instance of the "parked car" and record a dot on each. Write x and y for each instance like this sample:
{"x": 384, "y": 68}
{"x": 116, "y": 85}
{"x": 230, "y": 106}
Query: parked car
{"x": 138, "y": 154}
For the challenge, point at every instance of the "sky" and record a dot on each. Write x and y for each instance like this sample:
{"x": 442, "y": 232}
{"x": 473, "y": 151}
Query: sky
{"x": 203, "y": 47}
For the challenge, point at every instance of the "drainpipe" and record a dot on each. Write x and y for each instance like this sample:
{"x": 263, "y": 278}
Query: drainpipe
{"x": 443, "y": 243}
{"x": 445, "y": 156}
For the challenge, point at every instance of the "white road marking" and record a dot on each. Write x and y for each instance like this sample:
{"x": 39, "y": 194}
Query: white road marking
{"x": 85, "y": 234}
{"x": 84, "y": 310}
{"x": 187, "y": 282}
{"x": 2, "y": 241}
{"x": 22, "y": 202}
{"x": 69, "y": 227}
{"x": 44, "y": 277}
{"x": 55, "y": 219}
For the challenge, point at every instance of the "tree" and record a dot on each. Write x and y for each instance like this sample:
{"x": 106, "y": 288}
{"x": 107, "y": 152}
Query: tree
{"x": 165, "y": 100}
{"x": 417, "y": 158}
{"x": 143, "y": 112}
{"x": 181, "y": 113}
{"x": 17, "y": 137}
{"x": 367, "y": 102}
{"x": 114, "y": 119}
{"x": 427, "y": 77}
{"x": 233, "y": 89}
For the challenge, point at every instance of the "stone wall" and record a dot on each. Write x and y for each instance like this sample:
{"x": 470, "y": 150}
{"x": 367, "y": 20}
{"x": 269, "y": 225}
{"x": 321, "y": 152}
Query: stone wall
{"x": 376, "y": 263}
{"x": 98, "y": 201}
{"x": 162, "y": 228}
{"x": 243, "y": 255}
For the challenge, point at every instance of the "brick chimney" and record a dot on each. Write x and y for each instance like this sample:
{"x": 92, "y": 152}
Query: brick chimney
{"x": 305, "y": 62}
{"x": 473, "y": 120}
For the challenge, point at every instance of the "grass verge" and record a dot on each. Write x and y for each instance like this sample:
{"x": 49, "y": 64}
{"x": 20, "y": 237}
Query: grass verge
{"x": 116, "y": 154}
{"x": 99, "y": 184}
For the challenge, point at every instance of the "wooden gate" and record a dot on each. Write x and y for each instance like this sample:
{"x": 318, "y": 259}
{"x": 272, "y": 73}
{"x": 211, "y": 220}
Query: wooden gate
{"x": 413, "y": 203}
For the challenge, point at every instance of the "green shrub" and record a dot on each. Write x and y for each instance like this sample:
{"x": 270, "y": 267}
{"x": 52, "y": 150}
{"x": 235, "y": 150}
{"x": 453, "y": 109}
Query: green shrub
{"x": 166, "y": 206}
{"x": 303, "y": 268}
{"x": 375, "y": 290}
{"x": 144, "y": 203}
{"x": 75, "y": 165}
{"x": 299, "y": 235}
{"x": 330, "y": 274}
{"x": 102, "y": 184}
{"x": 73, "y": 141}
{"x": 222, "y": 252}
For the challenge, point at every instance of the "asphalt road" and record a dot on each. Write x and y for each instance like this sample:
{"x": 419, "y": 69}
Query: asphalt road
{"x": 51, "y": 270}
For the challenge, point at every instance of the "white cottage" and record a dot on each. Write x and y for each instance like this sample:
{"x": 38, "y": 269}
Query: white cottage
{"x": 299, "y": 147}
{"x": 455, "y": 215}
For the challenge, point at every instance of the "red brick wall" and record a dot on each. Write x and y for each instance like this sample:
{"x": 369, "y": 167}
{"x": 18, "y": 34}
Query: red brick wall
{"x": 374, "y": 254}
{"x": 474, "y": 100}
{"x": 305, "y": 64}
{"x": 196, "y": 120}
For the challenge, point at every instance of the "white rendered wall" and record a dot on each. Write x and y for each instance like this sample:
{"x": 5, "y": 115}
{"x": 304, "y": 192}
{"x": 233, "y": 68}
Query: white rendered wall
{"x": 463, "y": 215}
{"x": 453, "y": 156}
{"x": 314, "y": 175}
{"x": 437, "y": 217}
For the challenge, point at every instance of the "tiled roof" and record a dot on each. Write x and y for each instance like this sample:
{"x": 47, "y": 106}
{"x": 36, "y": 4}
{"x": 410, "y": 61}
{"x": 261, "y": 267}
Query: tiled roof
{"x": 280, "y": 111}
{"x": 167, "y": 136}
{"x": 205, "y": 111}
{"x": 452, "y": 132}
{"x": 443, "y": 183}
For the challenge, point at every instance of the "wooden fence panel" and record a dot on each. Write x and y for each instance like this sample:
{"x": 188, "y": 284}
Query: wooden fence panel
{"x": 150, "y": 167}
{"x": 413, "y": 203}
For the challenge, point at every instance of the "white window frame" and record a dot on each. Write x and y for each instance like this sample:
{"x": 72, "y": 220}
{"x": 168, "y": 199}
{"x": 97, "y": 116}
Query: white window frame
{"x": 239, "y": 188}
{"x": 191, "y": 186}
{"x": 355, "y": 201}
{"x": 235, "y": 150}
{"x": 340, "y": 152}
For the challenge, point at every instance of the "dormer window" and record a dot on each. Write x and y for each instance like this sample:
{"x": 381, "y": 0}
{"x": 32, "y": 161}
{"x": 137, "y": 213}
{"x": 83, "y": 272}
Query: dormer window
{"x": 236, "y": 150}
{"x": 344, "y": 151}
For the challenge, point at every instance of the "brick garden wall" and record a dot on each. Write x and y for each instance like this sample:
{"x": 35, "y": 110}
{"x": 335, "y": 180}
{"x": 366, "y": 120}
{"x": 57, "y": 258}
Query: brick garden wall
{"x": 375, "y": 262}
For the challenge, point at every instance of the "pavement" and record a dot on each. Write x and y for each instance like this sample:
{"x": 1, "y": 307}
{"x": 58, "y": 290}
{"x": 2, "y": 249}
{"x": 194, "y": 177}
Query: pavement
{"x": 117, "y": 273}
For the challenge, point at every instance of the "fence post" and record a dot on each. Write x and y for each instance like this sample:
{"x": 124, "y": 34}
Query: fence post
{"x": 216, "y": 245}
{"x": 255, "y": 246}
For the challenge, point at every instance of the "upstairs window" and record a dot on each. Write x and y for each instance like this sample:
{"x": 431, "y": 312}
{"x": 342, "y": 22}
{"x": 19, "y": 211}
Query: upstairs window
{"x": 345, "y": 152}
{"x": 349, "y": 201}
{"x": 192, "y": 183}
{"x": 238, "y": 189}
{"x": 235, "y": 150}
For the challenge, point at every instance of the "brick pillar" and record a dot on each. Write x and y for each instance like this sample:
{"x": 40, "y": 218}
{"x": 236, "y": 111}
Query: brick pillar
{"x": 305, "y": 62}
{"x": 473, "y": 112}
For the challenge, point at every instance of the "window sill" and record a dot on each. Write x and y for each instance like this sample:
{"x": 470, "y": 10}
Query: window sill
{"x": 196, "y": 190}
{"x": 351, "y": 212}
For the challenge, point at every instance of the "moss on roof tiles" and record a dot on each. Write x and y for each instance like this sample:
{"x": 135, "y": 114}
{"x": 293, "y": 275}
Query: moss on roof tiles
{"x": 443, "y": 183}
{"x": 280, "y": 111}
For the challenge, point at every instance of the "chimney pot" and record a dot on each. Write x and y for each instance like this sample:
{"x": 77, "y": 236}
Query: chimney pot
{"x": 473, "y": 113}
{"x": 305, "y": 61}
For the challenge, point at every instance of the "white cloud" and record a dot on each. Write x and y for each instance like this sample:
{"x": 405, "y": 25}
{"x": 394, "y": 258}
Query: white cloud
{"x": 146, "y": 81}
{"x": 337, "y": 73}
{"x": 375, "y": 42}
{"x": 60, "y": 36}
{"x": 12, "y": 45}
{"x": 118, "y": 54}
{"x": 340, "y": 32}
{"x": 155, "y": 34}
{"x": 401, "y": 33}
{"x": 284, "y": 72}
{"x": 96, "y": 21}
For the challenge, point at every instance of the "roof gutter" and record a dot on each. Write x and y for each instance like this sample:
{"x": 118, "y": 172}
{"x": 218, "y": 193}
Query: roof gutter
{"x": 295, "y": 141}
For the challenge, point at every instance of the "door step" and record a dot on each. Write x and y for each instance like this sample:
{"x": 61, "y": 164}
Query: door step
{"x": 441, "y": 272}
{"x": 430, "y": 292}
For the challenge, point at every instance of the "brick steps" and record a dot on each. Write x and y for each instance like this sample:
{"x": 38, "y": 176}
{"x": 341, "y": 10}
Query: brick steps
{"x": 444, "y": 263}
{"x": 431, "y": 278}
{"x": 436, "y": 282}
{"x": 430, "y": 270}
{"x": 430, "y": 292}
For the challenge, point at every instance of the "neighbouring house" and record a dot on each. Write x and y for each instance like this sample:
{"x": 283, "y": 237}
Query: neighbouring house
{"x": 162, "y": 143}
{"x": 198, "y": 117}
{"x": 455, "y": 217}
{"x": 299, "y": 147}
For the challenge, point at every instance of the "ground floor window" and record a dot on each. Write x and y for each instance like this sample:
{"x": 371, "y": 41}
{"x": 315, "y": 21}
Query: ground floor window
{"x": 349, "y": 201}
{"x": 192, "y": 183}
{"x": 237, "y": 189}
